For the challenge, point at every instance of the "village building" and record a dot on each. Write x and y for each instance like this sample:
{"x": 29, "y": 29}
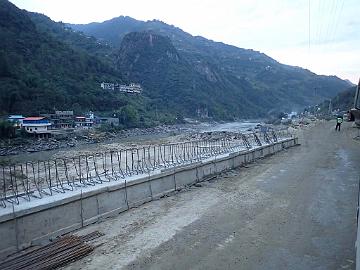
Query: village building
{"x": 61, "y": 119}
{"x": 132, "y": 88}
{"x": 84, "y": 122}
{"x": 38, "y": 126}
{"x": 17, "y": 120}
{"x": 111, "y": 121}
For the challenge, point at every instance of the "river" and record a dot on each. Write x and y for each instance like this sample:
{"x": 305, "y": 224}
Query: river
{"x": 232, "y": 126}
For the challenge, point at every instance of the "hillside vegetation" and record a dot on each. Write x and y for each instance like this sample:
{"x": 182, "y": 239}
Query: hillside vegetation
{"x": 39, "y": 72}
{"x": 247, "y": 81}
{"x": 46, "y": 65}
{"x": 343, "y": 101}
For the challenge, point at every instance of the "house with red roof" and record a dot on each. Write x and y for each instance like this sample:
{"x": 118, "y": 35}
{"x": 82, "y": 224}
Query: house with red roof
{"x": 38, "y": 126}
{"x": 84, "y": 122}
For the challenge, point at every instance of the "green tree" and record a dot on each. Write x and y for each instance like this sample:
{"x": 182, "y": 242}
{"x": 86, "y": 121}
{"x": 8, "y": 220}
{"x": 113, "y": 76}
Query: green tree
{"x": 128, "y": 116}
{"x": 7, "y": 130}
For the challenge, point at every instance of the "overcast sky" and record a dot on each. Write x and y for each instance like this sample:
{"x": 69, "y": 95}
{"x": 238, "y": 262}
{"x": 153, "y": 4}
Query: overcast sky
{"x": 279, "y": 28}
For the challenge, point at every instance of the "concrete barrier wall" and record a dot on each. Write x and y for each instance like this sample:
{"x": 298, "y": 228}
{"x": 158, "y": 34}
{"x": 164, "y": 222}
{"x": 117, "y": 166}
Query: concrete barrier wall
{"x": 35, "y": 222}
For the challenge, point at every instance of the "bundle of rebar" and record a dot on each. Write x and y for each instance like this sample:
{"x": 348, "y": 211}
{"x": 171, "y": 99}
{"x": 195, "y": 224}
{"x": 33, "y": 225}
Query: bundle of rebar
{"x": 91, "y": 236}
{"x": 58, "y": 253}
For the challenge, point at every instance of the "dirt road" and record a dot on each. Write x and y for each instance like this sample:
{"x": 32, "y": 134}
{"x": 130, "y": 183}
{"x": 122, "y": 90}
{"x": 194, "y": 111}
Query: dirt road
{"x": 294, "y": 210}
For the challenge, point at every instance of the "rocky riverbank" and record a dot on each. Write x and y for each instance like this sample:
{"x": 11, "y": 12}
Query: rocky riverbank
{"x": 67, "y": 140}
{"x": 92, "y": 140}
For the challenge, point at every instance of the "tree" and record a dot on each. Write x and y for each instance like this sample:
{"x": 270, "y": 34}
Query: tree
{"x": 7, "y": 130}
{"x": 129, "y": 116}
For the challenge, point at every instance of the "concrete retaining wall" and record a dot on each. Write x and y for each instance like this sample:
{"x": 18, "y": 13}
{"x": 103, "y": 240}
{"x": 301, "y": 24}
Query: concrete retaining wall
{"x": 40, "y": 220}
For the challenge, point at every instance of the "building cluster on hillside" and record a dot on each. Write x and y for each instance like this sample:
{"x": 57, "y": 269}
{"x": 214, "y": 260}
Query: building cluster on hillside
{"x": 132, "y": 88}
{"x": 46, "y": 124}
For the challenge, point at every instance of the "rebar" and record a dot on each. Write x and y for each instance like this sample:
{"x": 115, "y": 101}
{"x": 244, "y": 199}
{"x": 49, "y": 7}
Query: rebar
{"x": 58, "y": 253}
{"x": 22, "y": 182}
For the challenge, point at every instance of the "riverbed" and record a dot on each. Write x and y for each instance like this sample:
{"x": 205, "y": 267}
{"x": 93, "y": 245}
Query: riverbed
{"x": 171, "y": 135}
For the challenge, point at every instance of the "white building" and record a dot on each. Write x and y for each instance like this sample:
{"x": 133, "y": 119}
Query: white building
{"x": 85, "y": 122}
{"x": 132, "y": 88}
{"x": 37, "y": 126}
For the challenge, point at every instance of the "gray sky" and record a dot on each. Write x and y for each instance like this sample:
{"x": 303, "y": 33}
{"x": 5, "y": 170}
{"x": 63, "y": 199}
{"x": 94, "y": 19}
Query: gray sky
{"x": 279, "y": 28}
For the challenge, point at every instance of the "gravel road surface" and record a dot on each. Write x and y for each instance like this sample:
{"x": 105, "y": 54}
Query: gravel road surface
{"x": 293, "y": 210}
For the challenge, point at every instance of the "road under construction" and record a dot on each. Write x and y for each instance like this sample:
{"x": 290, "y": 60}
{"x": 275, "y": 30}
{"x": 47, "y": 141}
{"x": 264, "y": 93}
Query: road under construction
{"x": 292, "y": 210}
{"x": 45, "y": 199}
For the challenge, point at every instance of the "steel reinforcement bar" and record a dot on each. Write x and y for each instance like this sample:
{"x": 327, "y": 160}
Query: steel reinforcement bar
{"x": 24, "y": 181}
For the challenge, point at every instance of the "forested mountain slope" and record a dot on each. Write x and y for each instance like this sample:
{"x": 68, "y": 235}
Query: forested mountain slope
{"x": 39, "y": 72}
{"x": 46, "y": 65}
{"x": 248, "y": 82}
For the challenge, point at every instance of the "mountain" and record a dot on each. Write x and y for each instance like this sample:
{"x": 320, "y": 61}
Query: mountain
{"x": 343, "y": 101}
{"x": 153, "y": 61}
{"x": 40, "y": 72}
{"x": 46, "y": 65}
{"x": 229, "y": 81}
{"x": 76, "y": 40}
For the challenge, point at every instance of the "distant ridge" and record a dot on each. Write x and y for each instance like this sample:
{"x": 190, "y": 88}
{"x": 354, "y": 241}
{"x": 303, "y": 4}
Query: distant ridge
{"x": 46, "y": 65}
{"x": 250, "y": 83}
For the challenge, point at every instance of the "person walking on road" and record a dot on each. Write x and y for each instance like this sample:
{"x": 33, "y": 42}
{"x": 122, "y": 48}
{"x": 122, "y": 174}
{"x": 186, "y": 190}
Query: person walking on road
{"x": 339, "y": 120}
